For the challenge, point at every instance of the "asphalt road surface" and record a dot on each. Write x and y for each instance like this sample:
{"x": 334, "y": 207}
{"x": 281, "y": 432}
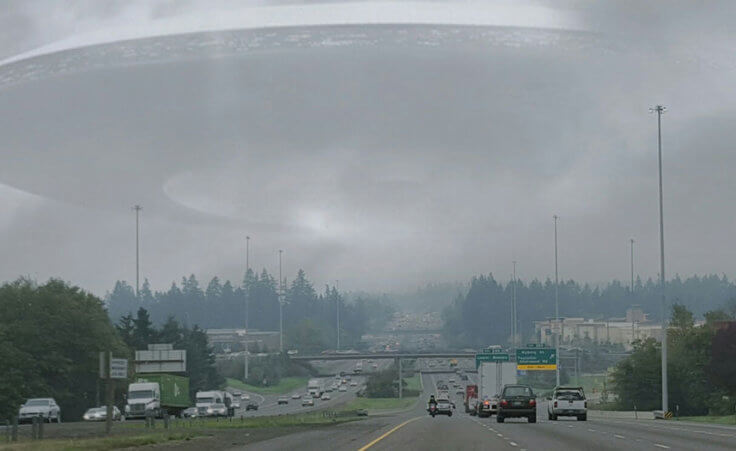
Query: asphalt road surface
{"x": 415, "y": 430}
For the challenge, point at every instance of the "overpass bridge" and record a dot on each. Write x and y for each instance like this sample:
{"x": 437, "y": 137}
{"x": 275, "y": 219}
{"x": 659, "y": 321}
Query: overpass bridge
{"x": 387, "y": 355}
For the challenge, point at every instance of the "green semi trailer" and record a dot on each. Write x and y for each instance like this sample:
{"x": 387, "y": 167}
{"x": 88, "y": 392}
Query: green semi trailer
{"x": 156, "y": 394}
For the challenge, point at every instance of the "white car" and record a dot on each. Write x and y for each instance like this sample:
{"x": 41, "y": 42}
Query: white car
{"x": 325, "y": 396}
{"x": 342, "y": 388}
{"x": 308, "y": 401}
{"x": 296, "y": 396}
{"x": 100, "y": 414}
{"x": 44, "y": 408}
{"x": 567, "y": 402}
{"x": 245, "y": 397}
{"x": 353, "y": 384}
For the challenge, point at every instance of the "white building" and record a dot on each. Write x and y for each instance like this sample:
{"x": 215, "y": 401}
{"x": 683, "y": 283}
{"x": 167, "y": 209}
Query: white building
{"x": 614, "y": 330}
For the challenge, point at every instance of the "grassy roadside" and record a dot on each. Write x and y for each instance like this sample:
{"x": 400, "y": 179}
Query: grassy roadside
{"x": 103, "y": 443}
{"x": 414, "y": 382}
{"x": 285, "y": 385}
{"x": 729, "y": 420}
{"x": 186, "y": 430}
{"x": 380, "y": 403}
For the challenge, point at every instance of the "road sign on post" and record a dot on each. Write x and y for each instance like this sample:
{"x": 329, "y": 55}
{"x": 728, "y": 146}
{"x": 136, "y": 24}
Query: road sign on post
{"x": 119, "y": 368}
{"x": 536, "y": 359}
{"x": 490, "y": 357}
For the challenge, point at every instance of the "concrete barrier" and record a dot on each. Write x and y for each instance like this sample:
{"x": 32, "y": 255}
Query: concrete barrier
{"x": 624, "y": 415}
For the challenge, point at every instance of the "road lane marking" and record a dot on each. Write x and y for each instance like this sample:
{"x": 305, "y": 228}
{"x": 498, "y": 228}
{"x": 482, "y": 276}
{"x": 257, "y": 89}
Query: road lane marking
{"x": 500, "y": 435}
{"x": 618, "y": 436}
{"x": 659, "y": 445}
{"x": 591, "y": 430}
{"x": 388, "y": 433}
{"x": 512, "y": 443}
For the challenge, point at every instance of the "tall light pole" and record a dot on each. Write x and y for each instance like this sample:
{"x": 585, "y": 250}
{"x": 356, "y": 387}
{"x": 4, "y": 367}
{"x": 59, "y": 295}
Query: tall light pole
{"x": 337, "y": 304}
{"x": 659, "y": 109}
{"x": 281, "y": 306}
{"x": 247, "y": 298}
{"x": 514, "y": 318}
{"x": 632, "y": 267}
{"x": 247, "y": 272}
{"x": 557, "y": 311}
{"x": 137, "y": 209}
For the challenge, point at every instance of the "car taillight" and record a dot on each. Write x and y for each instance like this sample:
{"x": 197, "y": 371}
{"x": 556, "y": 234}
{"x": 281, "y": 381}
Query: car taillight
{"x": 504, "y": 403}
{"x": 486, "y": 402}
{"x": 555, "y": 403}
{"x": 532, "y": 402}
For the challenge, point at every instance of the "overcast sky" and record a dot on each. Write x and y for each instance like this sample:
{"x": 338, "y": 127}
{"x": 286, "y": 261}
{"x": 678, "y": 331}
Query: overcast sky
{"x": 383, "y": 156}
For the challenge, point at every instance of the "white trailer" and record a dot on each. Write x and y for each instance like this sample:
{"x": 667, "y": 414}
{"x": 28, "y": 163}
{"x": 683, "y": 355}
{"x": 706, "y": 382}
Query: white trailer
{"x": 315, "y": 387}
{"x": 492, "y": 377}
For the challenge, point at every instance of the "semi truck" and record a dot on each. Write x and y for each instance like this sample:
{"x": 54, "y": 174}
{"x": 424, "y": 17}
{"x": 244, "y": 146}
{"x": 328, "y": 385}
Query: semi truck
{"x": 492, "y": 378}
{"x": 157, "y": 394}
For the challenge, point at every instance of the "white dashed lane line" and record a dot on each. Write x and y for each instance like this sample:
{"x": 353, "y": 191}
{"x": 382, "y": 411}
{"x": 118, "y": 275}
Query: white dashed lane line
{"x": 659, "y": 445}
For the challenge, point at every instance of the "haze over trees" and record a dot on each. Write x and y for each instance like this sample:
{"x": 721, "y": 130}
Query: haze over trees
{"x": 488, "y": 302}
{"x": 309, "y": 316}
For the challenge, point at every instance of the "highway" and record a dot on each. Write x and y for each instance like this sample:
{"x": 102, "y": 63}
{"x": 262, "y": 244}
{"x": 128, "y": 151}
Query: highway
{"x": 415, "y": 430}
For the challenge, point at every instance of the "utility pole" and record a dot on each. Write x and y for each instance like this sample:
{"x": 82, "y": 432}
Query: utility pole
{"x": 514, "y": 319}
{"x": 632, "y": 267}
{"x": 281, "y": 306}
{"x": 659, "y": 109}
{"x": 247, "y": 298}
{"x": 557, "y": 311}
{"x": 137, "y": 209}
{"x": 337, "y": 303}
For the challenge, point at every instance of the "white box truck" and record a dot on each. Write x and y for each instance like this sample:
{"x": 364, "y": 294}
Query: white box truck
{"x": 492, "y": 376}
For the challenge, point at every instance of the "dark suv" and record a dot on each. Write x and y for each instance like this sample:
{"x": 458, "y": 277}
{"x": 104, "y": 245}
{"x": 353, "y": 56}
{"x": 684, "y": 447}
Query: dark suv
{"x": 517, "y": 401}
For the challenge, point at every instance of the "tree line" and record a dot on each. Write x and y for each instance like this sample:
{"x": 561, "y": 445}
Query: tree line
{"x": 701, "y": 367}
{"x": 51, "y": 336}
{"x": 310, "y": 318}
{"x": 481, "y": 316}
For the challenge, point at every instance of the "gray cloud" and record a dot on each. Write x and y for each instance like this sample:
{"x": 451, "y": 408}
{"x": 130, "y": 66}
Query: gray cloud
{"x": 381, "y": 156}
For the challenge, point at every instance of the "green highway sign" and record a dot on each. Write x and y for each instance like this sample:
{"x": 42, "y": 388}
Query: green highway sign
{"x": 490, "y": 357}
{"x": 536, "y": 359}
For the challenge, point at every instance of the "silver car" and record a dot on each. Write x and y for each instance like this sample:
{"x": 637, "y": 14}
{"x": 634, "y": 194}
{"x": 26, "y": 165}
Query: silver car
{"x": 100, "y": 414}
{"x": 44, "y": 408}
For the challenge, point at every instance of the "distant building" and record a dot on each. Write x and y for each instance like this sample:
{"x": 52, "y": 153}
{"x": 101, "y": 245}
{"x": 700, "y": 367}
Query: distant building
{"x": 614, "y": 330}
{"x": 228, "y": 340}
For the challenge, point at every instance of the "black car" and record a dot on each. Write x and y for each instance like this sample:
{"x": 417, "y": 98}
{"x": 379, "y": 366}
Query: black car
{"x": 251, "y": 406}
{"x": 517, "y": 401}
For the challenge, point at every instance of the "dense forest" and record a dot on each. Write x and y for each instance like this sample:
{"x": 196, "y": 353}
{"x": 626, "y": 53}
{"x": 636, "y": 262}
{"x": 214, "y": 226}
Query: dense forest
{"x": 482, "y": 315}
{"x": 50, "y": 338}
{"x": 701, "y": 368}
{"x": 309, "y": 317}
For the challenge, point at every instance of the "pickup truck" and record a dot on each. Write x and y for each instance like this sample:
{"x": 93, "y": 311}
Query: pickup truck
{"x": 567, "y": 402}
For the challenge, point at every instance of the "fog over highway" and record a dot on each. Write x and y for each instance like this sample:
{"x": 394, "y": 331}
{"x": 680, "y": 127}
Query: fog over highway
{"x": 431, "y": 118}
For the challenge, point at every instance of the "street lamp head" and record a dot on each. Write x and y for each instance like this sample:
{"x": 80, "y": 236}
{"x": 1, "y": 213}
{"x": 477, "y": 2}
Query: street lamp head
{"x": 658, "y": 109}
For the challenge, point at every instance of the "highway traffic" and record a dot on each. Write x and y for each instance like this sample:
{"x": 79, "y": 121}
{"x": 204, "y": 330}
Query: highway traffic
{"x": 415, "y": 430}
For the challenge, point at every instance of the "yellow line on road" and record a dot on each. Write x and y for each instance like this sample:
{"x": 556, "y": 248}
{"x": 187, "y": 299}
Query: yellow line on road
{"x": 388, "y": 433}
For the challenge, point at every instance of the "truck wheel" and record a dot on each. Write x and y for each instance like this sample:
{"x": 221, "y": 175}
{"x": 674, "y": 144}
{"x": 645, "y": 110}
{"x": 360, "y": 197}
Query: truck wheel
{"x": 449, "y": 414}
{"x": 552, "y": 417}
{"x": 533, "y": 419}
{"x": 499, "y": 418}
{"x": 583, "y": 417}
